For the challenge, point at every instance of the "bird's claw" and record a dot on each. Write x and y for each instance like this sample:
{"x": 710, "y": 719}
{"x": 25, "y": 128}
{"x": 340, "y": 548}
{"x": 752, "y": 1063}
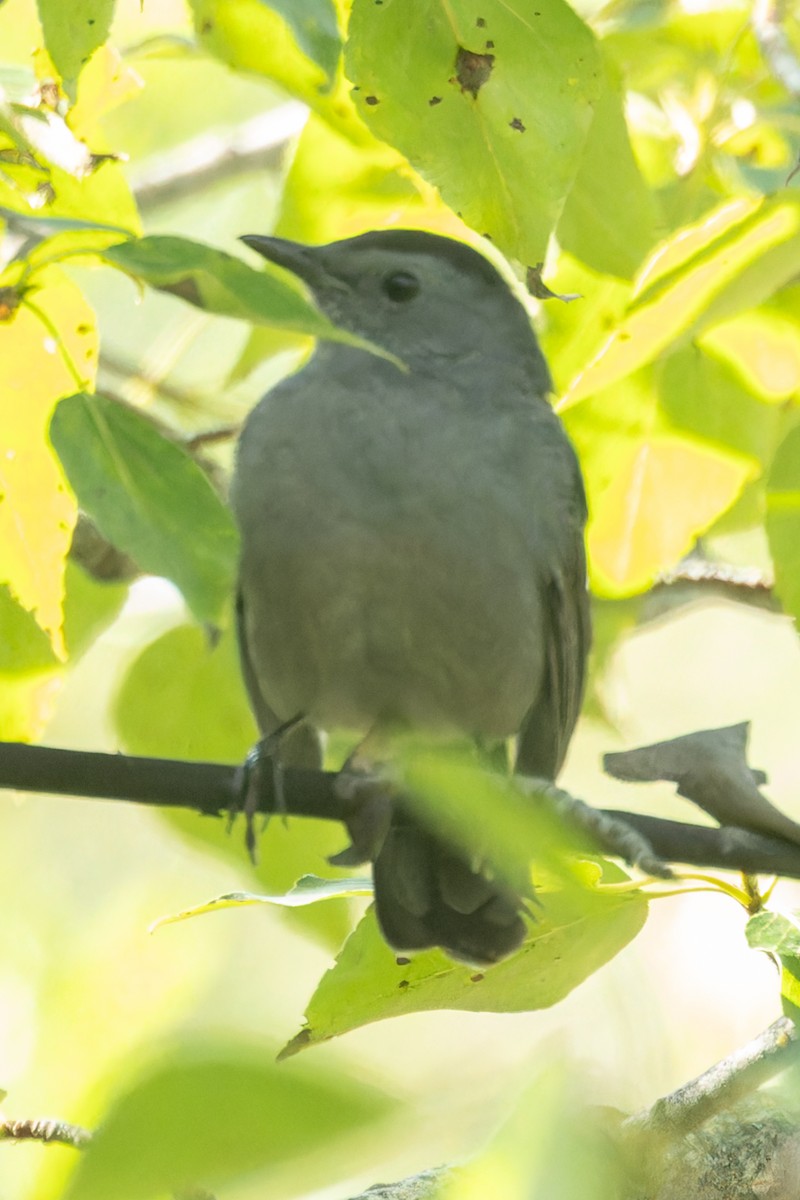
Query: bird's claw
{"x": 249, "y": 790}
{"x": 372, "y": 796}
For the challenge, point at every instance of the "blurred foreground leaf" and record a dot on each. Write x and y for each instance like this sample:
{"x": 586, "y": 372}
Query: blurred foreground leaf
{"x": 149, "y": 498}
{"x": 554, "y": 1146}
{"x": 487, "y": 814}
{"x": 208, "y": 1114}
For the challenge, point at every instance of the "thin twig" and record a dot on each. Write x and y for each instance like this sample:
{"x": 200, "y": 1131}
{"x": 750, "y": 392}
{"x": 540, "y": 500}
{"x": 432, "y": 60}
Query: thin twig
{"x": 774, "y": 45}
{"x": 256, "y": 145}
{"x": 44, "y": 1129}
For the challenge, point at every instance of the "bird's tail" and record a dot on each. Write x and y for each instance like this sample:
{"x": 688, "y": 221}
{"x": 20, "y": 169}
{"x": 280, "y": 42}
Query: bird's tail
{"x": 427, "y": 893}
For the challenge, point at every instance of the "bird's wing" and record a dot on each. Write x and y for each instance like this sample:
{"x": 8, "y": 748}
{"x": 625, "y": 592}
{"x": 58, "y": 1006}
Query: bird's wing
{"x": 300, "y": 746}
{"x": 548, "y": 725}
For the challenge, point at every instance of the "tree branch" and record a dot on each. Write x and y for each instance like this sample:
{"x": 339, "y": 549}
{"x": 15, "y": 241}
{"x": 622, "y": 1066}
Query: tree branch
{"x": 723, "y": 1085}
{"x": 216, "y": 789}
{"x": 185, "y": 170}
{"x": 212, "y": 789}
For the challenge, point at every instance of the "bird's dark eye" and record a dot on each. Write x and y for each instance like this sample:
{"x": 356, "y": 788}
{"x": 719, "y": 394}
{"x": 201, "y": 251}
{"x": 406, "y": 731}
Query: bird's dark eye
{"x": 401, "y": 286}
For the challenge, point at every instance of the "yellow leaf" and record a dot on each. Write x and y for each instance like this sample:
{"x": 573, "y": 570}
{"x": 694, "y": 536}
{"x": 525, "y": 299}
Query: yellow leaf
{"x": 728, "y": 263}
{"x": 48, "y": 349}
{"x": 765, "y": 348}
{"x": 666, "y": 490}
{"x": 105, "y": 82}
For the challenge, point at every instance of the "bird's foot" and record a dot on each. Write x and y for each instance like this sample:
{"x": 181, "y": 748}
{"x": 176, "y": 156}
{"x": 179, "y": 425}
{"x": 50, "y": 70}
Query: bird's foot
{"x": 250, "y": 792}
{"x": 372, "y": 796}
{"x": 613, "y": 835}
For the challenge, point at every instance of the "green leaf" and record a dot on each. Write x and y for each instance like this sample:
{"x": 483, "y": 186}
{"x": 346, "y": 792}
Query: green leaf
{"x": 89, "y": 607}
{"x": 24, "y": 646}
{"x": 308, "y": 890}
{"x": 315, "y": 26}
{"x": 263, "y": 344}
{"x": 337, "y": 187}
{"x": 652, "y": 489}
{"x": 704, "y": 396}
{"x": 779, "y": 934}
{"x": 210, "y": 1113}
{"x": 764, "y": 349}
{"x": 776, "y": 932}
{"x": 67, "y": 239}
{"x": 450, "y": 85}
{"x": 183, "y": 697}
{"x": 571, "y": 333}
{"x": 148, "y": 498}
{"x": 572, "y": 936}
{"x": 267, "y": 40}
{"x": 783, "y": 521}
{"x": 730, "y": 261}
{"x": 29, "y": 669}
{"x": 609, "y": 217}
{"x": 219, "y": 283}
{"x": 72, "y": 33}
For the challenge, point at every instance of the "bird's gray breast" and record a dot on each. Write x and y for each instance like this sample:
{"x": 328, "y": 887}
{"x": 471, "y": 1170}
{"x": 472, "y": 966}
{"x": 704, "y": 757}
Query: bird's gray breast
{"x": 394, "y": 540}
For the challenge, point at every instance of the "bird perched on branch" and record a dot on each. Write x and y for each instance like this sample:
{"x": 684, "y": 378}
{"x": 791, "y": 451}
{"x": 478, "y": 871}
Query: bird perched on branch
{"x": 412, "y": 548}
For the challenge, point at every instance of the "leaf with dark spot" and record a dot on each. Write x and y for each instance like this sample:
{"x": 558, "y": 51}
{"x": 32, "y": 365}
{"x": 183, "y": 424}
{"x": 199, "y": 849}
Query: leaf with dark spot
{"x": 470, "y": 142}
{"x": 435, "y": 100}
{"x": 473, "y": 70}
{"x": 517, "y": 124}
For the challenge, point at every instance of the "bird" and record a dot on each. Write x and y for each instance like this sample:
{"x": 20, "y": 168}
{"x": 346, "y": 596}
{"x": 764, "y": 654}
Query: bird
{"x": 412, "y": 549}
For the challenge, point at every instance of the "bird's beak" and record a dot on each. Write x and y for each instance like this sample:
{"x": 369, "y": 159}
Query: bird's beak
{"x": 291, "y": 256}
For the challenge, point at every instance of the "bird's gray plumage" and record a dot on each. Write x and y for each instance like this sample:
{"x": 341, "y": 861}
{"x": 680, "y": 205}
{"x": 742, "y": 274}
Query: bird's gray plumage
{"x": 412, "y": 546}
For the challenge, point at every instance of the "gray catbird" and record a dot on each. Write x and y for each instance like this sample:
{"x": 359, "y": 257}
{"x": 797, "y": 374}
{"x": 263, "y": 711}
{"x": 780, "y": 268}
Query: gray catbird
{"x": 412, "y": 547}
